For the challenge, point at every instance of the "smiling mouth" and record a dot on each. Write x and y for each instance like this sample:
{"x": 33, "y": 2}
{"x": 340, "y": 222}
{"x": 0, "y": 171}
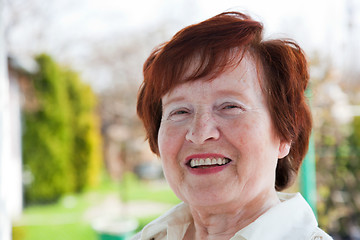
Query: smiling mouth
{"x": 208, "y": 162}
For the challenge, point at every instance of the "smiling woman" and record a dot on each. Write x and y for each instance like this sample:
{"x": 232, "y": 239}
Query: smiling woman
{"x": 225, "y": 110}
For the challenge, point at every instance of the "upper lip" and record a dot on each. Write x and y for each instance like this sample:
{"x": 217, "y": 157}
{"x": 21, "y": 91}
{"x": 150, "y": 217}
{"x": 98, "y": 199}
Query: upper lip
{"x": 204, "y": 155}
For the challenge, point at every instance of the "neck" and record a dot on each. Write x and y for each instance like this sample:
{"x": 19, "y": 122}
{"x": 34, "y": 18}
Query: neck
{"x": 223, "y": 222}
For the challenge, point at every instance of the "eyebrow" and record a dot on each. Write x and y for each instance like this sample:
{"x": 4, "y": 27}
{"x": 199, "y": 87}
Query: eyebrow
{"x": 230, "y": 93}
{"x": 222, "y": 93}
{"x": 175, "y": 99}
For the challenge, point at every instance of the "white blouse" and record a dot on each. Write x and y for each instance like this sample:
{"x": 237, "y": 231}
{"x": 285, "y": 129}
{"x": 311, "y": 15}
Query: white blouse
{"x": 291, "y": 219}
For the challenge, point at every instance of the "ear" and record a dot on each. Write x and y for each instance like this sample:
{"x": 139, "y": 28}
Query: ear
{"x": 284, "y": 149}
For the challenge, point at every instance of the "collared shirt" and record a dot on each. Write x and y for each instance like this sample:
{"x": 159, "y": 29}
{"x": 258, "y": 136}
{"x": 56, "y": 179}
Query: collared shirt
{"x": 291, "y": 219}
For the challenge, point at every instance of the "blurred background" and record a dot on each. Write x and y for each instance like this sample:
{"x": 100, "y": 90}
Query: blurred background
{"x": 73, "y": 160}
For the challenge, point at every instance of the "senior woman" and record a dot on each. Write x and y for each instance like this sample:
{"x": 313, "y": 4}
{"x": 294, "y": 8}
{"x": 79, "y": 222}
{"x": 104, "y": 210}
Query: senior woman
{"x": 225, "y": 110}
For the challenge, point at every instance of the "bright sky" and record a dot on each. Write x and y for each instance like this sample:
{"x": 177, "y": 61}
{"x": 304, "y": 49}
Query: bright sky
{"x": 314, "y": 22}
{"x": 318, "y": 25}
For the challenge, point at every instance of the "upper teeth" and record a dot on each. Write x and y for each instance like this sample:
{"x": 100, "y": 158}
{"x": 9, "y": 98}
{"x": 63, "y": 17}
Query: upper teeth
{"x": 208, "y": 161}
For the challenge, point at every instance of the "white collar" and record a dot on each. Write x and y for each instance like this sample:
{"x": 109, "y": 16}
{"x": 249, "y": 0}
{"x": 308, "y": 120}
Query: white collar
{"x": 171, "y": 225}
{"x": 290, "y": 219}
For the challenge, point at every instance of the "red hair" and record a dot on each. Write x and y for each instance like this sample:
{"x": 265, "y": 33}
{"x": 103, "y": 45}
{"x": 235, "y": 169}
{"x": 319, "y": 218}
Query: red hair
{"x": 215, "y": 45}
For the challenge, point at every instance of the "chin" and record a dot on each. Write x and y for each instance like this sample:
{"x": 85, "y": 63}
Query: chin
{"x": 206, "y": 199}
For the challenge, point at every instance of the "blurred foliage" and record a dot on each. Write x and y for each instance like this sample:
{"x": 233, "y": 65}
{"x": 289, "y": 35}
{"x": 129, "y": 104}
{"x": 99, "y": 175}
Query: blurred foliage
{"x": 86, "y": 155}
{"x": 61, "y": 141}
{"x": 339, "y": 188}
{"x": 47, "y": 134}
{"x": 337, "y": 154}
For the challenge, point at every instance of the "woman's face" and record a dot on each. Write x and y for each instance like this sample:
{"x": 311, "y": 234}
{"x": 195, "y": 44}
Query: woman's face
{"x": 217, "y": 142}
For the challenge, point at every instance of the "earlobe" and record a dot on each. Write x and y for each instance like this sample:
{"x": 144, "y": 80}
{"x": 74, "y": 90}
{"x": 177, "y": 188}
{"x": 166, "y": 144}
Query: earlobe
{"x": 284, "y": 149}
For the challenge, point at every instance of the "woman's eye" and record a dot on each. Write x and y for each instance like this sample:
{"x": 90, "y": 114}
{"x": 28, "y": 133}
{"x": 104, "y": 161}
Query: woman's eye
{"x": 178, "y": 115}
{"x": 179, "y": 112}
{"x": 232, "y": 109}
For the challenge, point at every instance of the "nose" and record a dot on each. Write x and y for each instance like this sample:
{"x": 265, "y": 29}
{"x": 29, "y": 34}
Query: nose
{"x": 202, "y": 128}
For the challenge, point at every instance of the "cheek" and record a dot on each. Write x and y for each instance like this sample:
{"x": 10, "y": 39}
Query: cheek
{"x": 170, "y": 143}
{"x": 250, "y": 136}
{"x": 241, "y": 132}
{"x": 170, "y": 140}
{"x": 166, "y": 151}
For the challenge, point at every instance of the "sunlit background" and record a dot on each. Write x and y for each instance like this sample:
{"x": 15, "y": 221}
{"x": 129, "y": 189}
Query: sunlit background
{"x": 73, "y": 160}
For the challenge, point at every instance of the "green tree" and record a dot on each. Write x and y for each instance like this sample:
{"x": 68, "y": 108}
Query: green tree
{"x": 62, "y": 140}
{"x": 86, "y": 156}
{"x": 47, "y": 134}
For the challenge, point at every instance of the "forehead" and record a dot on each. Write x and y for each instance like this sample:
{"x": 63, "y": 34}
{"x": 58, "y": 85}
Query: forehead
{"x": 244, "y": 78}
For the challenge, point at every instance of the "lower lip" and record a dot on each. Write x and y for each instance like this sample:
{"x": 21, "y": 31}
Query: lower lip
{"x": 209, "y": 170}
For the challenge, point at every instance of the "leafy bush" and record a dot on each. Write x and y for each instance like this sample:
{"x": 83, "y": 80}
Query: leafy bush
{"x": 86, "y": 151}
{"x": 61, "y": 141}
{"x": 47, "y": 134}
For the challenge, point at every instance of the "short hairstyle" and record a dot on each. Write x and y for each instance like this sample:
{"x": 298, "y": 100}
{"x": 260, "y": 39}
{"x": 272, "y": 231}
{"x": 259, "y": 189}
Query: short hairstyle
{"x": 211, "y": 45}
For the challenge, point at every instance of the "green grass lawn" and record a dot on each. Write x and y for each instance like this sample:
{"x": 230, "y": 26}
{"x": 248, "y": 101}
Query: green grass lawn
{"x": 55, "y": 232}
{"x": 64, "y": 220}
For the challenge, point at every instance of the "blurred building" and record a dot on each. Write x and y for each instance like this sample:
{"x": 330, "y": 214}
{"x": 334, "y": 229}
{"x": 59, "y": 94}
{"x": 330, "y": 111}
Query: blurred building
{"x": 14, "y": 86}
{"x": 7, "y": 160}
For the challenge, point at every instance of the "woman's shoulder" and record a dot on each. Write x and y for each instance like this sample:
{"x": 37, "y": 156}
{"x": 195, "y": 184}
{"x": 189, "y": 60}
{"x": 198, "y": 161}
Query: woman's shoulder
{"x": 319, "y": 234}
{"x": 136, "y": 236}
{"x": 178, "y": 215}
